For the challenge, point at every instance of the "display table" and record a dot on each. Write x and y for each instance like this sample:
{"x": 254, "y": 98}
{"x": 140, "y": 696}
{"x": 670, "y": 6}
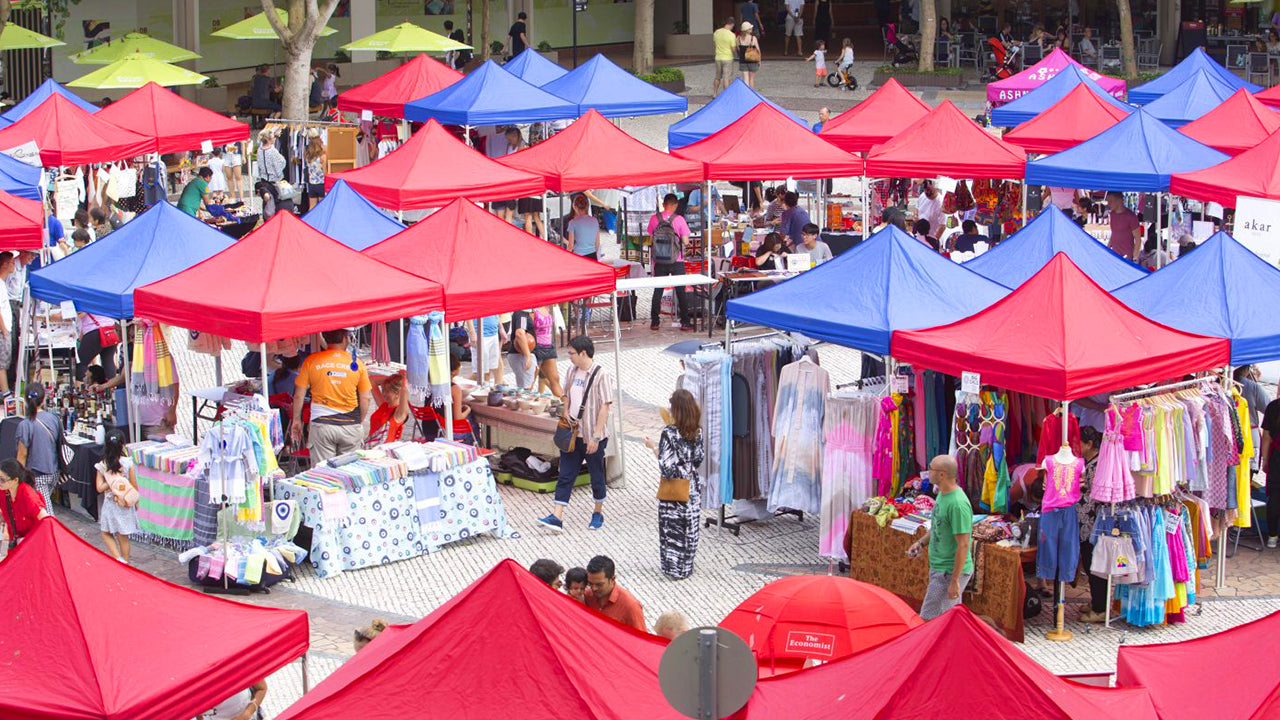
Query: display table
{"x": 879, "y": 556}
{"x": 505, "y": 429}
{"x": 85, "y": 455}
{"x": 379, "y": 524}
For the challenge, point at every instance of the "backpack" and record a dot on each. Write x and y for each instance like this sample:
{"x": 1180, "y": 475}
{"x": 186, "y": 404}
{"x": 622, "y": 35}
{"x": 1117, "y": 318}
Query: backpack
{"x": 665, "y": 240}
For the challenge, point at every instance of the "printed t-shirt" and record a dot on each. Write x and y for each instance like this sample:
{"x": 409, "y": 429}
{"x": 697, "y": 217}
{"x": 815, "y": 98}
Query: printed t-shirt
{"x": 335, "y": 387}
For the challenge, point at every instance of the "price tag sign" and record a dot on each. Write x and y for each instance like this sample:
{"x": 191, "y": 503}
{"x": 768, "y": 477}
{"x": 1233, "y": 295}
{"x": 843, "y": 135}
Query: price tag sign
{"x": 1213, "y": 210}
{"x": 206, "y": 146}
{"x": 366, "y": 115}
{"x": 970, "y": 382}
{"x": 68, "y": 309}
{"x": 898, "y": 384}
{"x": 945, "y": 184}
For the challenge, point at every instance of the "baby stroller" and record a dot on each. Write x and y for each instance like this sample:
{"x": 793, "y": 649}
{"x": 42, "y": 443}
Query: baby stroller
{"x": 1005, "y": 60}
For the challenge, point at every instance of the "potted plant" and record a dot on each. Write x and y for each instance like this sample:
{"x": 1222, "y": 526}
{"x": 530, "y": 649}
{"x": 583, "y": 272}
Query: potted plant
{"x": 546, "y": 51}
{"x": 680, "y": 44}
{"x": 211, "y": 94}
{"x": 668, "y": 78}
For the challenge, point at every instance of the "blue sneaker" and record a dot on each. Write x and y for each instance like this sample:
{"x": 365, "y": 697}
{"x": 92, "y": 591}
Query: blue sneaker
{"x": 597, "y": 521}
{"x": 552, "y": 522}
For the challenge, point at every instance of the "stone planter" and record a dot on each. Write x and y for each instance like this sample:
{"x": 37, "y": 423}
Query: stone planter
{"x": 684, "y": 46}
{"x": 917, "y": 79}
{"x": 671, "y": 86}
{"x": 214, "y": 98}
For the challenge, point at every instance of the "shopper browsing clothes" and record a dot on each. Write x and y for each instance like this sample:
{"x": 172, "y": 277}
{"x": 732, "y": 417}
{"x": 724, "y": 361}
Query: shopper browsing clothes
{"x": 39, "y": 441}
{"x": 668, "y": 233}
{"x": 341, "y": 396}
{"x": 588, "y": 397}
{"x": 950, "y": 563}
{"x": 610, "y": 598}
{"x": 679, "y": 450}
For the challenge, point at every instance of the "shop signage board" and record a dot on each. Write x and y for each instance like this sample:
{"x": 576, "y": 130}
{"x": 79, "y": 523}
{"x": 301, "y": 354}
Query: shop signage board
{"x": 1257, "y": 226}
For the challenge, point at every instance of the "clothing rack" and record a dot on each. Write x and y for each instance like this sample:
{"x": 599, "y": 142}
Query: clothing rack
{"x": 1161, "y": 389}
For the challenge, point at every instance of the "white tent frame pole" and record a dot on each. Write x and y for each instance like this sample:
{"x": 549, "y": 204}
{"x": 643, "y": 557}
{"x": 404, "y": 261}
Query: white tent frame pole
{"x": 131, "y": 413}
{"x": 262, "y": 368}
{"x": 448, "y": 396}
{"x": 617, "y": 390}
{"x": 1024, "y": 202}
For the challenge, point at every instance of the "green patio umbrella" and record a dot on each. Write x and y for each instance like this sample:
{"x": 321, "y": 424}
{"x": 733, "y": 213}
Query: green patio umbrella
{"x": 135, "y": 71}
{"x": 259, "y": 28}
{"x": 16, "y": 37}
{"x": 406, "y": 37}
{"x": 133, "y": 42}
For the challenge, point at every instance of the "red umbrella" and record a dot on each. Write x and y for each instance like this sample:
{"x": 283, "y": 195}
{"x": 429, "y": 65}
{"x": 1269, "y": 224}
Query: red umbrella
{"x": 823, "y": 617}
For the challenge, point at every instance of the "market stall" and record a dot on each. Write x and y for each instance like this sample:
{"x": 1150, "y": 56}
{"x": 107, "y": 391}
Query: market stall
{"x": 1196, "y": 96}
{"x": 66, "y": 134}
{"x": 1196, "y": 61}
{"x": 533, "y": 67}
{"x": 386, "y": 95}
{"x": 489, "y": 95}
{"x": 22, "y": 223}
{"x": 148, "y": 673}
{"x": 20, "y": 179}
{"x": 1012, "y": 88}
{"x": 1040, "y": 100}
{"x": 346, "y": 216}
{"x": 884, "y": 113}
{"x": 36, "y": 98}
{"x": 1252, "y": 173}
{"x": 731, "y": 104}
{"x": 175, "y": 123}
{"x": 600, "y": 85}
{"x": 1080, "y": 115}
{"x": 438, "y": 666}
{"x": 409, "y": 176}
{"x": 1241, "y": 122}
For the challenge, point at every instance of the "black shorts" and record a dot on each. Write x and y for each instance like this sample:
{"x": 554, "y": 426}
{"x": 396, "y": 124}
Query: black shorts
{"x": 543, "y": 353}
{"x": 503, "y": 205}
{"x": 529, "y": 205}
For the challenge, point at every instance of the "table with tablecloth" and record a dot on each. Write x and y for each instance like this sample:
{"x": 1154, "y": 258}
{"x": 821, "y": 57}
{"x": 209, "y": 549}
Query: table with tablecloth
{"x": 878, "y": 555}
{"x": 383, "y": 522}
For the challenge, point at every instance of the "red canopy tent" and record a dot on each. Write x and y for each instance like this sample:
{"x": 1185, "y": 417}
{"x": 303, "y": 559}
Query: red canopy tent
{"x": 765, "y": 144}
{"x": 953, "y": 666}
{"x": 1269, "y": 97}
{"x": 21, "y": 223}
{"x": 595, "y": 153}
{"x": 885, "y": 113}
{"x": 487, "y": 265}
{"x": 945, "y": 142}
{"x": 433, "y": 168}
{"x": 285, "y": 279}
{"x": 1239, "y": 123}
{"x": 1253, "y": 173}
{"x": 506, "y": 646}
{"x": 1235, "y": 674}
{"x": 68, "y": 135}
{"x": 386, "y": 94}
{"x": 1078, "y": 116}
{"x": 84, "y": 637}
{"x": 173, "y": 122}
{"x": 1060, "y": 336}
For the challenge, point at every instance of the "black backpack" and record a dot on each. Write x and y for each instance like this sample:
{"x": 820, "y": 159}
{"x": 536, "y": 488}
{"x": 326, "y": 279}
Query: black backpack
{"x": 665, "y": 240}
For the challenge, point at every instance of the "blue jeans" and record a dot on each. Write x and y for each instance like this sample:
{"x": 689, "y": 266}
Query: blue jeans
{"x": 571, "y": 462}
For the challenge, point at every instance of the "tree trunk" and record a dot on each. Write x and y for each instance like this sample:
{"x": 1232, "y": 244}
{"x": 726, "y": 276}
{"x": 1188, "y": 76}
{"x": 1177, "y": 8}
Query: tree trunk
{"x": 642, "y": 54}
{"x": 6, "y": 7}
{"x": 297, "y": 80}
{"x": 928, "y": 32}
{"x": 485, "y": 51}
{"x": 1126, "y": 40}
{"x": 306, "y": 20}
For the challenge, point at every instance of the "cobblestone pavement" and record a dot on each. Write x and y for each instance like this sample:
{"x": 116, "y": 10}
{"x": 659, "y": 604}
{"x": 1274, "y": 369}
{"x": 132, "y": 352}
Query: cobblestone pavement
{"x": 728, "y": 568}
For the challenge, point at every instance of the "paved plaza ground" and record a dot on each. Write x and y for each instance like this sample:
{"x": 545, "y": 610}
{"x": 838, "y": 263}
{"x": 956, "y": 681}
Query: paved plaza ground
{"x": 728, "y": 567}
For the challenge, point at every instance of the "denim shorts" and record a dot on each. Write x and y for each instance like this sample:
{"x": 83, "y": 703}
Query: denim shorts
{"x": 1058, "y": 552}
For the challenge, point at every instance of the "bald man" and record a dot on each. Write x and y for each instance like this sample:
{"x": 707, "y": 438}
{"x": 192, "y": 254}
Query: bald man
{"x": 950, "y": 565}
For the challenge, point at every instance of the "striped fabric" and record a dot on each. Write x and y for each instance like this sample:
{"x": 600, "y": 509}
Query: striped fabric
{"x": 167, "y": 504}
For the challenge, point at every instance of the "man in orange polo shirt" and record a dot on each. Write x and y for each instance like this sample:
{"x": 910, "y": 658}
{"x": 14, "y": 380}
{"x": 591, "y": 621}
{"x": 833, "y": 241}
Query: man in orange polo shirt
{"x": 610, "y": 598}
{"x": 341, "y": 398}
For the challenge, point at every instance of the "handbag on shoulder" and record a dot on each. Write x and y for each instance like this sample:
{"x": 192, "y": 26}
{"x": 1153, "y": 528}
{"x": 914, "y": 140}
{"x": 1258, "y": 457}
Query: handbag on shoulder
{"x": 566, "y": 436}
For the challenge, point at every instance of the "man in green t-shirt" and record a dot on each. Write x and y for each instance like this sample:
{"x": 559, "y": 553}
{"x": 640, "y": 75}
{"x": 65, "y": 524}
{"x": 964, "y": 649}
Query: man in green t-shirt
{"x": 192, "y": 198}
{"x": 950, "y": 564}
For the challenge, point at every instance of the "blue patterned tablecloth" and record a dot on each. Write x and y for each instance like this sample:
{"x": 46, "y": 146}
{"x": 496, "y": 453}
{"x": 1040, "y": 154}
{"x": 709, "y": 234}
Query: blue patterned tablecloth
{"x": 380, "y": 524}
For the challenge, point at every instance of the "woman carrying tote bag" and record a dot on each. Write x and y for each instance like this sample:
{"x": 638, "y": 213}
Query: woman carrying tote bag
{"x": 680, "y": 451}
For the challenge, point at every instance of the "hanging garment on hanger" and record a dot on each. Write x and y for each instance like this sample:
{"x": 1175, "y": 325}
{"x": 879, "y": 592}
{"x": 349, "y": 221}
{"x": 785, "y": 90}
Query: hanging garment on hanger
{"x": 849, "y": 431}
{"x": 797, "y": 430}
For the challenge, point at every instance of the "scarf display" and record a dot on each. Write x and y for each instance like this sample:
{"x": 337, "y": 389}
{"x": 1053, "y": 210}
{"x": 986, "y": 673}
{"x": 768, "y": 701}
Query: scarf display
{"x": 438, "y": 358}
{"x": 415, "y": 357}
{"x": 155, "y": 376}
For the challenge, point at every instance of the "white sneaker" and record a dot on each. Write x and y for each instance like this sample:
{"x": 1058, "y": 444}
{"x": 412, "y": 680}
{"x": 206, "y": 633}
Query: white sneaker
{"x": 1271, "y": 541}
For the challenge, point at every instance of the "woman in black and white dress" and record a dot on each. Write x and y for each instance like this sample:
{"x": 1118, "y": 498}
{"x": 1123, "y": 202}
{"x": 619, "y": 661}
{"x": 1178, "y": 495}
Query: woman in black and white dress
{"x": 680, "y": 452}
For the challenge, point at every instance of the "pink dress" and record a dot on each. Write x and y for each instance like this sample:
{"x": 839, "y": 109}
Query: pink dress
{"x": 1112, "y": 481}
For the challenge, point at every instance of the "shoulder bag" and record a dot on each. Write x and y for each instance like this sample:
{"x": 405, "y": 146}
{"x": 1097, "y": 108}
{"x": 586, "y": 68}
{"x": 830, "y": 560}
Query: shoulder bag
{"x": 674, "y": 489}
{"x": 566, "y": 436}
{"x": 56, "y": 439}
{"x": 752, "y": 53}
{"x": 107, "y": 335}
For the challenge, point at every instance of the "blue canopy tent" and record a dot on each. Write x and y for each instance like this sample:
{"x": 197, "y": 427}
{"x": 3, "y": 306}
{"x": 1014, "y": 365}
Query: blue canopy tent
{"x": 729, "y": 105}
{"x": 890, "y": 282}
{"x": 39, "y": 95}
{"x": 490, "y": 96}
{"x": 1053, "y": 90}
{"x": 1027, "y": 251}
{"x": 100, "y": 277}
{"x": 1180, "y": 73}
{"x": 1222, "y": 289}
{"x": 532, "y": 67}
{"x": 600, "y": 85}
{"x": 19, "y": 179}
{"x": 346, "y": 216}
{"x": 1136, "y": 154}
{"x": 1200, "y": 93}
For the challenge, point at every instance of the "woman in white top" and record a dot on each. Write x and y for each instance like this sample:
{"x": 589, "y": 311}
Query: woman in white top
{"x": 217, "y": 183}
{"x": 244, "y": 705}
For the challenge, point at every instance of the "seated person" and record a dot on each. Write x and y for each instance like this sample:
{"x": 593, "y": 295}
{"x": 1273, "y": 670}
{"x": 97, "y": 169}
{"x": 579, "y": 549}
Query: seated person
{"x": 284, "y": 377}
{"x": 965, "y": 240}
{"x": 462, "y": 430}
{"x": 819, "y": 252}
{"x": 772, "y": 249}
{"x": 387, "y": 422}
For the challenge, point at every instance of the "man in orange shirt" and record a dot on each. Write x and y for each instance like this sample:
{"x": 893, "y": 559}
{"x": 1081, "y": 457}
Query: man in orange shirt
{"x": 341, "y": 397}
{"x": 610, "y": 598}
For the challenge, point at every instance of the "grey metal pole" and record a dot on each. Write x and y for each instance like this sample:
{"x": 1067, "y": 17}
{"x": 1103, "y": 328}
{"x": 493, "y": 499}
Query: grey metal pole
{"x": 217, "y": 369}
{"x": 1024, "y": 202}
{"x": 707, "y": 675}
{"x": 617, "y": 378}
{"x": 400, "y": 340}
{"x": 306, "y": 681}
{"x": 262, "y": 366}
{"x": 131, "y": 412}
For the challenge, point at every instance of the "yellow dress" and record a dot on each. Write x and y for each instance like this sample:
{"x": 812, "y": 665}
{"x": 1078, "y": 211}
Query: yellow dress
{"x": 1243, "y": 470}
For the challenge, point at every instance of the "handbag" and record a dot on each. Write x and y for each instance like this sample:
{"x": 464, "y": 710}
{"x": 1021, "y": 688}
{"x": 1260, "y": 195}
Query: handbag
{"x": 566, "y": 437}
{"x": 751, "y": 54}
{"x": 673, "y": 489}
{"x": 63, "y": 476}
{"x": 107, "y": 335}
{"x": 125, "y": 492}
